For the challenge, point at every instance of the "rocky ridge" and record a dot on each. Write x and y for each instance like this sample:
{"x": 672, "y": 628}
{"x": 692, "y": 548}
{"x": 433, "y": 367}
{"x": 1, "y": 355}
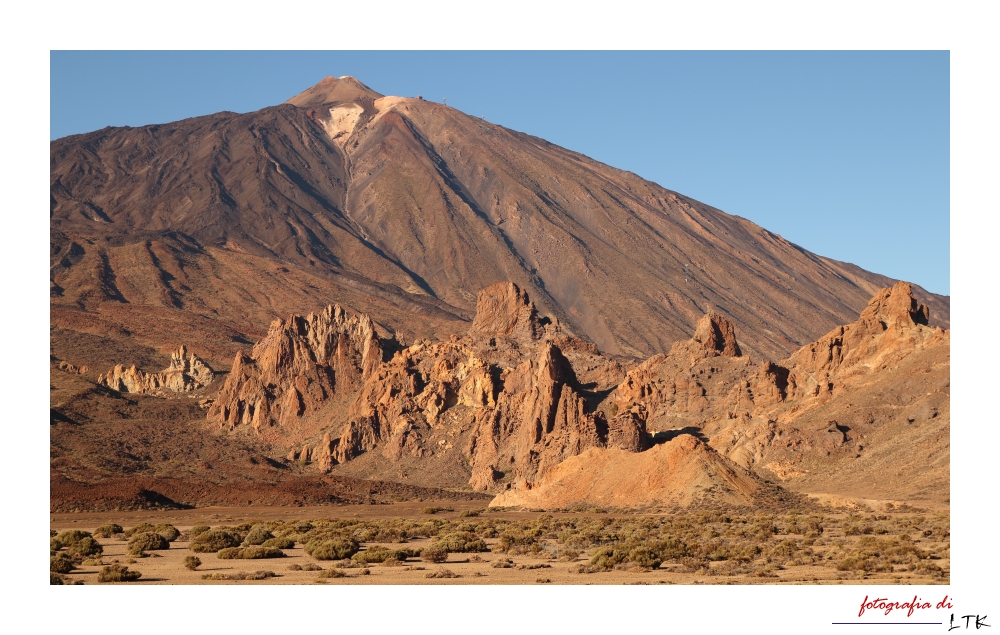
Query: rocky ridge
{"x": 504, "y": 408}
{"x": 723, "y": 423}
{"x": 507, "y": 393}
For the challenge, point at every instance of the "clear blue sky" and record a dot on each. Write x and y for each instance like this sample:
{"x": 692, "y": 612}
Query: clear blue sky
{"x": 843, "y": 153}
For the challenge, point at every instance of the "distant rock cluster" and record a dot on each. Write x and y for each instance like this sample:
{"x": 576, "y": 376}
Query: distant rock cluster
{"x": 185, "y": 373}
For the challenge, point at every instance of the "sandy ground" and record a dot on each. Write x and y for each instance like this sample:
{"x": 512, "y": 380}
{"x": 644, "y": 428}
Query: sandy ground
{"x": 166, "y": 567}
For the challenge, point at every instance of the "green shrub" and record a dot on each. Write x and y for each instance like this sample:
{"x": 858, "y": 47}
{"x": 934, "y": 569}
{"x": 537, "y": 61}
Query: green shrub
{"x": 55, "y": 578}
{"x": 140, "y": 528}
{"x": 516, "y": 540}
{"x": 332, "y": 549}
{"x": 380, "y": 534}
{"x": 54, "y": 545}
{"x": 434, "y": 510}
{"x": 257, "y": 535}
{"x": 215, "y": 540}
{"x": 147, "y": 541}
{"x": 85, "y": 547}
{"x": 434, "y": 554}
{"x": 61, "y": 563}
{"x": 607, "y": 557}
{"x": 644, "y": 557}
{"x": 279, "y": 543}
{"x": 70, "y": 536}
{"x": 378, "y": 554}
{"x": 197, "y": 530}
{"x": 169, "y": 532}
{"x": 192, "y": 562}
{"x": 250, "y": 553}
{"x": 117, "y": 573}
{"x": 108, "y": 530}
{"x": 461, "y": 542}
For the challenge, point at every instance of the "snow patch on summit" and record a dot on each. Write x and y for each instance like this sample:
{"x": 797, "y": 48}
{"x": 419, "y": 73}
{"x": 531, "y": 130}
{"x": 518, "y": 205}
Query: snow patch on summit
{"x": 343, "y": 120}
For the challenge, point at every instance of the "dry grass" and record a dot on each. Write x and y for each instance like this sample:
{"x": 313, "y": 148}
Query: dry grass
{"x": 117, "y": 573}
{"x": 330, "y": 573}
{"x": 433, "y": 554}
{"x": 241, "y": 575}
{"x": 435, "y": 510}
{"x": 442, "y": 573}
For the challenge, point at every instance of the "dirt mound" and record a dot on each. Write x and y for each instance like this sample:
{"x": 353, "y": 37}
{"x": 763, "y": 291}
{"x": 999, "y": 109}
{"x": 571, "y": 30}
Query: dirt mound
{"x": 679, "y": 472}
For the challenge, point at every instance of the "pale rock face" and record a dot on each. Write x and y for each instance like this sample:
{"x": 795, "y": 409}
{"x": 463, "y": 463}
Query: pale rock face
{"x": 185, "y": 373}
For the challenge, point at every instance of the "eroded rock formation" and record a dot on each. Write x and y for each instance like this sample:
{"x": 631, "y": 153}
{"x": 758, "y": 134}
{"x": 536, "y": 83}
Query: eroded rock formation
{"x": 509, "y": 406}
{"x": 505, "y": 397}
{"x": 185, "y": 373}
{"x": 714, "y": 335}
{"x": 300, "y": 365}
{"x": 821, "y": 407}
{"x": 504, "y": 309}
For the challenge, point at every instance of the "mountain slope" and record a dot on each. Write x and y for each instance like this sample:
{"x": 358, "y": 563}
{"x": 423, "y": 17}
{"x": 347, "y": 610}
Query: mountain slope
{"x": 404, "y": 209}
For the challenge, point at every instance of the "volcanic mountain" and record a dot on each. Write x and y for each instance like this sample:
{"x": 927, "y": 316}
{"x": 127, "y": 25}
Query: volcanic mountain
{"x": 203, "y": 231}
